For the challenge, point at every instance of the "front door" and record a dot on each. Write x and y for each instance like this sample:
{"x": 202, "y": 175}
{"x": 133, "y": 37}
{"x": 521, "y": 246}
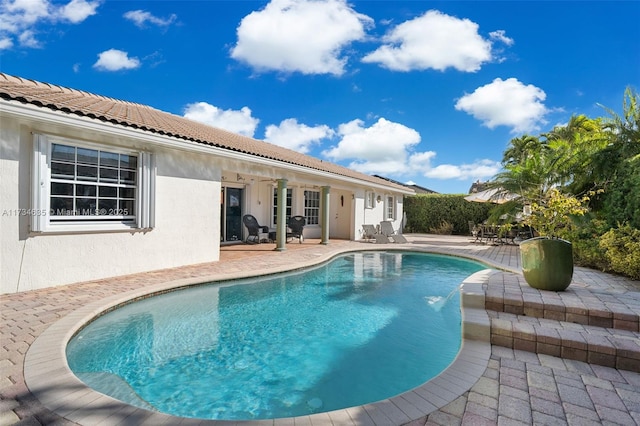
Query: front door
{"x": 340, "y": 214}
{"x": 231, "y": 214}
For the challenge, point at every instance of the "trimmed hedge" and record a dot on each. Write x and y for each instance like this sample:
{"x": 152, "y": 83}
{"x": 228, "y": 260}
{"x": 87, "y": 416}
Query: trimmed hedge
{"x": 428, "y": 212}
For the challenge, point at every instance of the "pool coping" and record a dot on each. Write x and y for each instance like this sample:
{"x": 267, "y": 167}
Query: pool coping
{"x": 49, "y": 378}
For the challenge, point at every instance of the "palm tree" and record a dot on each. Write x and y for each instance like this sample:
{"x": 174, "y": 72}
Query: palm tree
{"x": 520, "y": 149}
{"x": 527, "y": 168}
{"x": 624, "y": 136}
{"x": 617, "y": 166}
{"x": 574, "y": 146}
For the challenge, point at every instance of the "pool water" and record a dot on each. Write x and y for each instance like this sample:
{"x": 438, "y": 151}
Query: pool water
{"x": 358, "y": 329}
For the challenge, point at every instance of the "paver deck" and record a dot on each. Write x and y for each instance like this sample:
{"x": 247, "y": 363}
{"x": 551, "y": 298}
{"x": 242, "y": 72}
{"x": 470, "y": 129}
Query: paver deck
{"x": 554, "y": 358}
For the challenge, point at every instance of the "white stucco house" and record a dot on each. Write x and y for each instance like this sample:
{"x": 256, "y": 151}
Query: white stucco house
{"x": 94, "y": 187}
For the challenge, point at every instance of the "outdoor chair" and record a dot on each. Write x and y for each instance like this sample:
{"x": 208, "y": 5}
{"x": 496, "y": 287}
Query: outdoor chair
{"x": 489, "y": 233}
{"x": 524, "y": 232}
{"x": 257, "y": 233}
{"x": 369, "y": 232}
{"x": 296, "y": 226}
{"x": 474, "y": 230}
{"x": 386, "y": 229}
{"x": 511, "y": 235}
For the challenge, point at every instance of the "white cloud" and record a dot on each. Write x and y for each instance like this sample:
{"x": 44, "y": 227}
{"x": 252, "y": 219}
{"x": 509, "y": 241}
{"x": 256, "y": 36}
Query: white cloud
{"x": 232, "y": 120}
{"x": 434, "y": 40}
{"x": 500, "y": 35}
{"x": 420, "y": 162}
{"x": 306, "y": 36}
{"x": 28, "y": 39}
{"x": 388, "y": 148}
{"x": 19, "y": 14}
{"x": 141, "y": 17}
{"x": 381, "y": 148}
{"x": 5, "y": 43}
{"x": 296, "y": 136}
{"x": 78, "y": 10}
{"x": 20, "y": 19}
{"x": 115, "y": 60}
{"x": 481, "y": 169}
{"x": 506, "y": 103}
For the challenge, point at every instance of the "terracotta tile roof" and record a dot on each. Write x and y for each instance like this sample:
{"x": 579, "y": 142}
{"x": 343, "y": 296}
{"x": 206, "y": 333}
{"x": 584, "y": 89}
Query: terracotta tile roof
{"x": 149, "y": 119}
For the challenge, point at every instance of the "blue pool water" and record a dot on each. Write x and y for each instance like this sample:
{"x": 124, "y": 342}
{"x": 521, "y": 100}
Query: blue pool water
{"x": 361, "y": 328}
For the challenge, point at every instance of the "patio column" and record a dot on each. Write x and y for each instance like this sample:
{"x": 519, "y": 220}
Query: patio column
{"x": 281, "y": 220}
{"x": 325, "y": 214}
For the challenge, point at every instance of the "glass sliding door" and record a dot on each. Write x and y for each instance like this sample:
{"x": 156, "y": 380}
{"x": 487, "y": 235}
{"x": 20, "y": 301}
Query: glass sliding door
{"x": 231, "y": 214}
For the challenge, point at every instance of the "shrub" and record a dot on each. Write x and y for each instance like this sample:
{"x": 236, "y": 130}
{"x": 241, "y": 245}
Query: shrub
{"x": 585, "y": 238}
{"x": 427, "y": 211}
{"x": 554, "y": 212}
{"x": 622, "y": 250}
{"x": 622, "y": 199}
{"x": 445, "y": 228}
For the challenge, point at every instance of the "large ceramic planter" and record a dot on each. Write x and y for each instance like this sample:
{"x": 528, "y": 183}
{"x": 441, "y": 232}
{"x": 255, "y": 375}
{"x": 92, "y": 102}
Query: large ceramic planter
{"x": 547, "y": 264}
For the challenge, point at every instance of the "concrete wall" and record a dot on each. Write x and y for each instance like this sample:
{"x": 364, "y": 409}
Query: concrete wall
{"x": 186, "y": 217}
{"x": 373, "y": 216}
{"x": 188, "y": 182}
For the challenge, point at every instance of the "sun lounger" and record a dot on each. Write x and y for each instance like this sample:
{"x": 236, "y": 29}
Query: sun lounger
{"x": 369, "y": 232}
{"x": 386, "y": 229}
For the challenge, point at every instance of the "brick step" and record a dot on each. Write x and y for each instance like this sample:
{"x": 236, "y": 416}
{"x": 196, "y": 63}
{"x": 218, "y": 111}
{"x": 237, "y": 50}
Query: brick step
{"x": 563, "y": 307}
{"x": 610, "y": 347}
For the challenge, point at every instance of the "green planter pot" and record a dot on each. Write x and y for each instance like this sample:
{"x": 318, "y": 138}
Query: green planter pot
{"x": 547, "y": 264}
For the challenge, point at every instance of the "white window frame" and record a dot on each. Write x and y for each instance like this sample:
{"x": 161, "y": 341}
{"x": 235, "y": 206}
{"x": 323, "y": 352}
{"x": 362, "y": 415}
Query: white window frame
{"x": 42, "y": 221}
{"x": 369, "y": 200}
{"x": 288, "y": 210}
{"x": 389, "y": 207}
{"x": 312, "y": 212}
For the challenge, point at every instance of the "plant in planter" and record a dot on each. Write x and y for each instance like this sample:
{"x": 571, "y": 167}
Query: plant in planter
{"x": 547, "y": 261}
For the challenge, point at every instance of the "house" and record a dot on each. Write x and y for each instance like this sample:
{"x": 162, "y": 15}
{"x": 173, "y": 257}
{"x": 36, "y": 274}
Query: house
{"x": 93, "y": 187}
{"x": 478, "y": 186}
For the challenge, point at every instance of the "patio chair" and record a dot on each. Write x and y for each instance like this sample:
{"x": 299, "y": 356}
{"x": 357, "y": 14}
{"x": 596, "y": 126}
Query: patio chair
{"x": 369, "y": 232}
{"x": 474, "y": 230}
{"x": 296, "y": 226}
{"x": 386, "y": 229}
{"x": 257, "y": 233}
{"x": 525, "y": 232}
{"x": 489, "y": 233}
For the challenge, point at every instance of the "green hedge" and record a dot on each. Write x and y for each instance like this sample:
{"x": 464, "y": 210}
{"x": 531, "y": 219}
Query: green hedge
{"x": 426, "y": 213}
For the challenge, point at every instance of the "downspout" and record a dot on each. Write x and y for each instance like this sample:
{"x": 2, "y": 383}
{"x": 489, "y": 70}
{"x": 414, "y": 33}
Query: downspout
{"x": 281, "y": 225}
{"x": 325, "y": 215}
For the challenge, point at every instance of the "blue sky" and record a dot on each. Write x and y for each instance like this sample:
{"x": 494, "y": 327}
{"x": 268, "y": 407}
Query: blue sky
{"x": 418, "y": 91}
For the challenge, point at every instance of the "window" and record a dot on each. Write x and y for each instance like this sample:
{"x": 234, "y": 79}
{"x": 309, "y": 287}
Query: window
{"x": 80, "y": 186}
{"x": 390, "y": 208}
{"x": 369, "y": 200}
{"x": 287, "y": 208}
{"x": 312, "y": 207}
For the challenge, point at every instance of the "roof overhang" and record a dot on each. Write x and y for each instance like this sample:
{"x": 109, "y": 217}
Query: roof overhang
{"x": 37, "y": 114}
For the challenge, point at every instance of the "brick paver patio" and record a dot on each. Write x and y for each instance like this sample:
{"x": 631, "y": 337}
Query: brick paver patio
{"x": 556, "y": 358}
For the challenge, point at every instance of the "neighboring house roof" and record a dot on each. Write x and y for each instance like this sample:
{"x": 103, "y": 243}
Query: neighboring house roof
{"x": 478, "y": 187}
{"x": 149, "y": 119}
{"x": 417, "y": 188}
{"x": 421, "y": 190}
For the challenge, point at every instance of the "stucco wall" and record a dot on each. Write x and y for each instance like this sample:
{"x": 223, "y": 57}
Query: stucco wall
{"x": 373, "y": 216}
{"x": 187, "y": 218}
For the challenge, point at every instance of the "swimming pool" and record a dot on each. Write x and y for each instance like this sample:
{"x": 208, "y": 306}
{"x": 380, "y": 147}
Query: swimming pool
{"x": 361, "y": 328}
